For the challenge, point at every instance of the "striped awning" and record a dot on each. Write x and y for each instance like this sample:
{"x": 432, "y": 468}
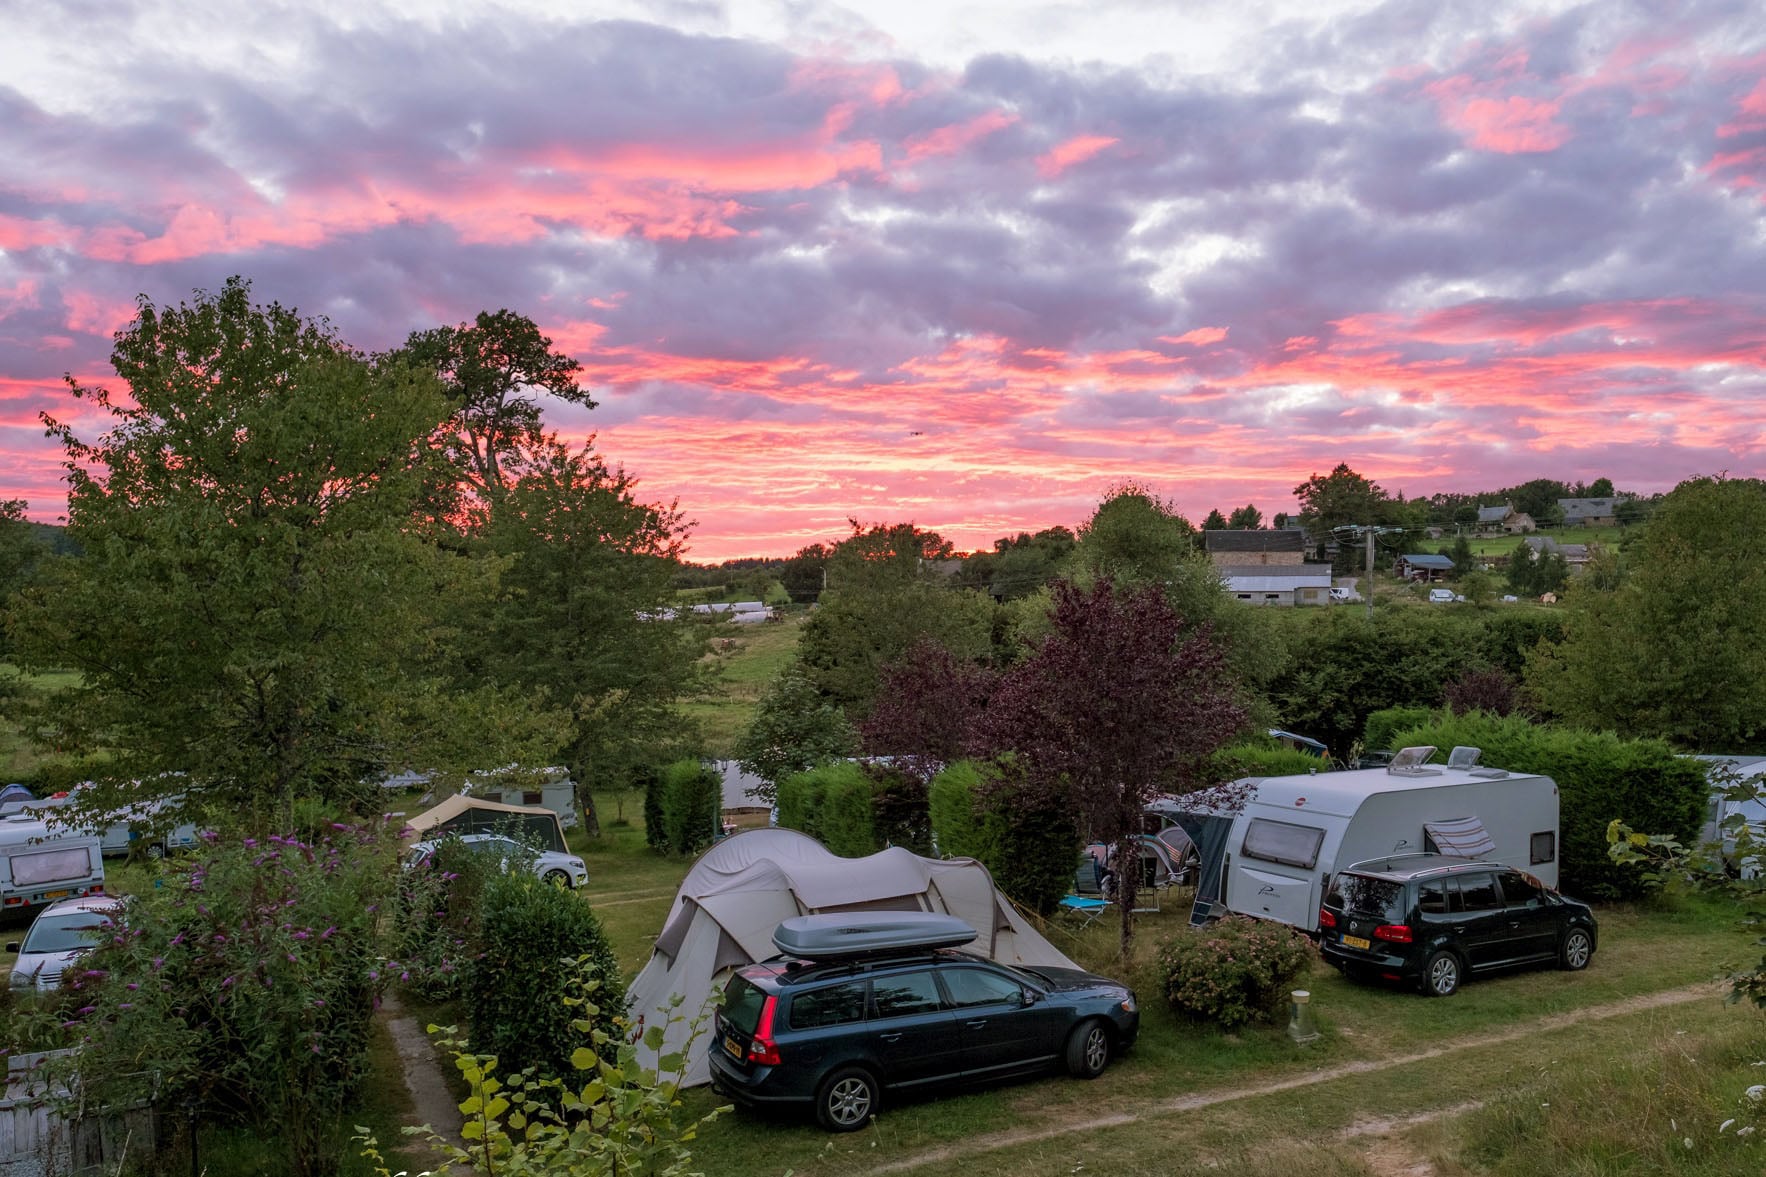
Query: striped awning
{"x": 1463, "y": 837}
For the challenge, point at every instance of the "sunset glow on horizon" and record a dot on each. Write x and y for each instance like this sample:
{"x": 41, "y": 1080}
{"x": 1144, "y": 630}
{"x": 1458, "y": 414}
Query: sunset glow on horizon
{"x": 968, "y": 265}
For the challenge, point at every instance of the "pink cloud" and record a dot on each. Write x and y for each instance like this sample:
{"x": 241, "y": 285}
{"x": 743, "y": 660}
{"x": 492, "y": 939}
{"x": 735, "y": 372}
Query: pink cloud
{"x": 1075, "y": 150}
{"x": 1200, "y": 337}
{"x": 955, "y": 138}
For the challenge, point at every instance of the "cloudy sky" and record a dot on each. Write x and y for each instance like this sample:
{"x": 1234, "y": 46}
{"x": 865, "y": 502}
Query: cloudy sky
{"x": 964, "y": 263}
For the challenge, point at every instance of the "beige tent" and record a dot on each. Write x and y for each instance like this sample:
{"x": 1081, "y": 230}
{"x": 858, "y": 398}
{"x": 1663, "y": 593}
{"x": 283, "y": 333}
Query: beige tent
{"x": 741, "y": 889}
{"x": 474, "y": 815}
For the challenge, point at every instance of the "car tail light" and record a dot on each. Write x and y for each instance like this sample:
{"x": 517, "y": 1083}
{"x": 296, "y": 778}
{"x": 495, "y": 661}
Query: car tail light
{"x": 1326, "y": 919}
{"x": 1396, "y": 933}
{"x": 763, "y": 1050}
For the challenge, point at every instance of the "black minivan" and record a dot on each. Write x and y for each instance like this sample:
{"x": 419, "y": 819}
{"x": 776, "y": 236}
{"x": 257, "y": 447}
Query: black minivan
{"x": 1432, "y": 919}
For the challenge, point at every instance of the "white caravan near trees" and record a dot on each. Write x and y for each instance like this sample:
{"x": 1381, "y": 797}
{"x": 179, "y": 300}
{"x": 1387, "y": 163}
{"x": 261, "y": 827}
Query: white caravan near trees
{"x": 1272, "y": 857}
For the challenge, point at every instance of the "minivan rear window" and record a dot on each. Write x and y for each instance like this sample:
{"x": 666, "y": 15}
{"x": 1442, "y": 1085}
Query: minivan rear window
{"x": 742, "y": 1002}
{"x": 1283, "y": 842}
{"x": 1368, "y": 896}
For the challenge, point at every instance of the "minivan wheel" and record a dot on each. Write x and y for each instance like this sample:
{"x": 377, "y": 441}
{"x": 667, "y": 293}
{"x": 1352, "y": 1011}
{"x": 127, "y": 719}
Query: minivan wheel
{"x": 1441, "y": 975}
{"x": 1088, "y": 1050}
{"x": 847, "y": 1100}
{"x": 1578, "y": 948}
{"x": 557, "y": 878}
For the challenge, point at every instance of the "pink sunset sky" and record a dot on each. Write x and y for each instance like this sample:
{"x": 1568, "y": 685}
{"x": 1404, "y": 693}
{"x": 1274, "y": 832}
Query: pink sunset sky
{"x": 965, "y": 264}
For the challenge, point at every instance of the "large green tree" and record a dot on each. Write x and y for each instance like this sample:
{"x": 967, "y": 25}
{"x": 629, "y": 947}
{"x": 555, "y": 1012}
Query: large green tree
{"x": 20, "y": 552}
{"x": 252, "y": 597}
{"x": 1678, "y": 650}
{"x": 580, "y": 614}
{"x": 491, "y": 369}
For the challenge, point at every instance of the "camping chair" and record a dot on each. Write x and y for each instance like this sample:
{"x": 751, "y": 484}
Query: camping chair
{"x": 1087, "y": 902}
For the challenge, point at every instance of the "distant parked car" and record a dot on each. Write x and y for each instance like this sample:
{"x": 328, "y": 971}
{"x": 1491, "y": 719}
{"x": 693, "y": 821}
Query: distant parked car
{"x": 563, "y": 870}
{"x": 63, "y": 932}
{"x": 1441, "y": 596}
{"x": 840, "y": 1028}
{"x": 1431, "y": 920}
{"x": 1343, "y": 596}
{"x": 1510, "y": 598}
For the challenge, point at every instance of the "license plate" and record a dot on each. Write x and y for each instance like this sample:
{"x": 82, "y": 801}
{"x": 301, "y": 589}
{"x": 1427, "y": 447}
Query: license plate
{"x": 1356, "y": 942}
{"x": 734, "y": 1050}
{"x": 62, "y": 894}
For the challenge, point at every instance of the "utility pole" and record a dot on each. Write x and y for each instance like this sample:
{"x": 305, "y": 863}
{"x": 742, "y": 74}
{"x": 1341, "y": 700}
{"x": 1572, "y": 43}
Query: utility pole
{"x": 1367, "y": 532}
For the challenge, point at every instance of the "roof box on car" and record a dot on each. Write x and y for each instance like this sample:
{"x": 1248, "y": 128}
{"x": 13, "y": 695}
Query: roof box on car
{"x": 856, "y": 933}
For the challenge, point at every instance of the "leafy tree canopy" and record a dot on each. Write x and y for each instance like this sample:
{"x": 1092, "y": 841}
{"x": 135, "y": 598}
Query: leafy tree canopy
{"x": 252, "y": 593}
{"x": 1678, "y": 650}
{"x": 794, "y": 728}
{"x": 1246, "y": 518}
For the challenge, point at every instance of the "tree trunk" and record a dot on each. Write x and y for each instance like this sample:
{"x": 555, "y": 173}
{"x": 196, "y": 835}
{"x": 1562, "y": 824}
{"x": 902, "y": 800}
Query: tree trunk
{"x": 1128, "y": 882}
{"x": 586, "y": 802}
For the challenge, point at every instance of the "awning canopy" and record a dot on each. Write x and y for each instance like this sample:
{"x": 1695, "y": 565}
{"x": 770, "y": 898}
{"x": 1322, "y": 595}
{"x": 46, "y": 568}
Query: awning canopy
{"x": 1463, "y": 837}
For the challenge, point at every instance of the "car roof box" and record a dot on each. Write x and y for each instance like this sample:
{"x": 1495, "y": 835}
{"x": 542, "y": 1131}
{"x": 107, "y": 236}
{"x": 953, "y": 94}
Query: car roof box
{"x": 858, "y": 933}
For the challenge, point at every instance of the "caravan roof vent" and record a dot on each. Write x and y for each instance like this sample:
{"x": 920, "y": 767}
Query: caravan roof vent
{"x": 1494, "y": 774}
{"x": 1410, "y": 762}
{"x": 1463, "y": 757}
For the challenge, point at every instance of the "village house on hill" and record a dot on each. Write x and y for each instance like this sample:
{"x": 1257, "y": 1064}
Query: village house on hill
{"x": 1268, "y": 567}
{"x": 1592, "y": 512}
{"x": 1504, "y": 520}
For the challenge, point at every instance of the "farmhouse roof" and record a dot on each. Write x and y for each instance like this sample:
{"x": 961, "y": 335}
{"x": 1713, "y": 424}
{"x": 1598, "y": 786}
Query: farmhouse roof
{"x": 1275, "y": 578}
{"x": 1261, "y": 540}
{"x": 1494, "y": 514}
{"x": 1437, "y": 563}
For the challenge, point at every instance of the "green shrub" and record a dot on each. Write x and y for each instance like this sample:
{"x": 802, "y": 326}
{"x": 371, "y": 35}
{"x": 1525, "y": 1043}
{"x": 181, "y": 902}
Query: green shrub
{"x": 692, "y": 799}
{"x": 1385, "y": 724}
{"x": 1600, "y": 777}
{"x": 800, "y": 802}
{"x": 1262, "y": 757}
{"x": 655, "y": 830}
{"x": 434, "y": 928}
{"x": 956, "y": 828}
{"x": 1030, "y": 846}
{"x": 848, "y": 826}
{"x": 1233, "y": 971}
{"x": 246, "y": 985}
{"x": 532, "y": 936}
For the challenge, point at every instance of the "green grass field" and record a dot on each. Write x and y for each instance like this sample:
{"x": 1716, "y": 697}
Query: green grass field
{"x": 745, "y": 659}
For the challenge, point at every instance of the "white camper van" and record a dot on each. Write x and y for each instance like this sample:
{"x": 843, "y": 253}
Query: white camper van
{"x": 40, "y": 864}
{"x": 1272, "y": 858}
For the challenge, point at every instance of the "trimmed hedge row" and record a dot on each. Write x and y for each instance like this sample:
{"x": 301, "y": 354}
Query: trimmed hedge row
{"x": 1387, "y": 722}
{"x": 1262, "y": 758}
{"x": 1643, "y": 783}
{"x": 682, "y": 805}
{"x": 1031, "y": 849}
{"x": 856, "y": 808}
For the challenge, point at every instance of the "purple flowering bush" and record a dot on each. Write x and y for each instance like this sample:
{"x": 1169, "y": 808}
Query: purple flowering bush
{"x": 1233, "y": 971}
{"x": 435, "y": 921}
{"x": 247, "y": 982}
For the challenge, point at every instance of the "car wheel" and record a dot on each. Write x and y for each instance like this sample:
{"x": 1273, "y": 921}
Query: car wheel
{"x": 155, "y": 851}
{"x": 1577, "y": 950}
{"x": 1441, "y": 975}
{"x": 1088, "y": 1050}
{"x": 558, "y": 879}
{"x": 847, "y": 1100}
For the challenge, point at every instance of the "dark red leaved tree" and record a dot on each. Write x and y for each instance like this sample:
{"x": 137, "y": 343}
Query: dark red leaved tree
{"x": 926, "y": 702}
{"x": 1121, "y": 702}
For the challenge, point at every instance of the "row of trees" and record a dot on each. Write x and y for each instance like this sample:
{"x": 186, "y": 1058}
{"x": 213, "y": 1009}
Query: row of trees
{"x": 301, "y": 565}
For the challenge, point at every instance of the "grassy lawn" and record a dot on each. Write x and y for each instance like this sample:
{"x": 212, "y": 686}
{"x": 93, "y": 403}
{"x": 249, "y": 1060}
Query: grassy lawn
{"x": 1503, "y": 545}
{"x": 745, "y": 659}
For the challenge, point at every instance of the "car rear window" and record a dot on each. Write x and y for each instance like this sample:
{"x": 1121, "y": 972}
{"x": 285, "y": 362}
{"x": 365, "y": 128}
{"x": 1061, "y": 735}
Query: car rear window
{"x": 835, "y": 1005}
{"x": 1368, "y": 896}
{"x": 742, "y": 1002}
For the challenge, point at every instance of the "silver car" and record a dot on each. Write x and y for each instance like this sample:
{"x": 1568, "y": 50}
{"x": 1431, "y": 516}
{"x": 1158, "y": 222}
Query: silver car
{"x": 561, "y": 870}
{"x": 64, "y": 932}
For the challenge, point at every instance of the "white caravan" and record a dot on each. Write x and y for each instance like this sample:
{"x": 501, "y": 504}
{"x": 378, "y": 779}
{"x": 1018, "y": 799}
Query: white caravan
{"x": 1273, "y": 858}
{"x": 40, "y": 863}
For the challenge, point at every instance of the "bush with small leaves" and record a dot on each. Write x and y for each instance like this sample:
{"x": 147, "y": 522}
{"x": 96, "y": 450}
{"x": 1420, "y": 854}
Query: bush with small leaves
{"x": 1233, "y": 971}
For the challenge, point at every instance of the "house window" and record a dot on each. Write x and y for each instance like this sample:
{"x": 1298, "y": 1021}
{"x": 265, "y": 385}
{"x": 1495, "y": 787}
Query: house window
{"x": 531, "y": 797}
{"x": 1543, "y": 847}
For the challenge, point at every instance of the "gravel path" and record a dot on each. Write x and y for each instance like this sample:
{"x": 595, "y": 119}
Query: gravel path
{"x": 432, "y": 1102}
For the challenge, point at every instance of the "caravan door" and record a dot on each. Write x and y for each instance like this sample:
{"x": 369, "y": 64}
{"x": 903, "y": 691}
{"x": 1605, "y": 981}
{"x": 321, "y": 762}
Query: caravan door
{"x": 1276, "y": 872}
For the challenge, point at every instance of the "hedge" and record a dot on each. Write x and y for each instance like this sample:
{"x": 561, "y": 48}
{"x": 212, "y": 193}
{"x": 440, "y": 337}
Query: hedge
{"x": 530, "y": 938}
{"x": 1382, "y": 725}
{"x": 857, "y": 808}
{"x": 1643, "y": 783}
{"x": 692, "y": 798}
{"x": 1262, "y": 758}
{"x": 981, "y": 812}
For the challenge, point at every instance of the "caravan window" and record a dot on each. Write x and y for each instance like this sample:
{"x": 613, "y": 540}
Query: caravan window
{"x": 50, "y": 866}
{"x": 1543, "y": 847}
{"x": 1283, "y": 842}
